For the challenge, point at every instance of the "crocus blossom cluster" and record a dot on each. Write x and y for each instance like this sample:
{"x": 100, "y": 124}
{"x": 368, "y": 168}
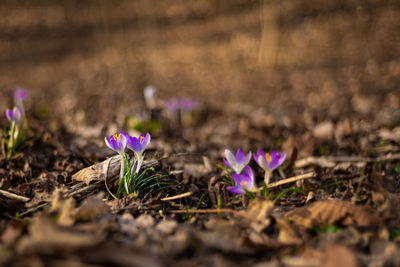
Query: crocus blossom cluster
{"x": 180, "y": 110}
{"x": 119, "y": 142}
{"x": 175, "y": 104}
{"x": 237, "y": 163}
{"x": 246, "y": 181}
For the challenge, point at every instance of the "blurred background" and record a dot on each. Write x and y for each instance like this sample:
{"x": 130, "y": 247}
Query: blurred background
{"x": 326, "y": 59}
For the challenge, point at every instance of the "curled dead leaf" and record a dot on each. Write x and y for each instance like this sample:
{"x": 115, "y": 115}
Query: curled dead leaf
{"x": 329, "y": 212}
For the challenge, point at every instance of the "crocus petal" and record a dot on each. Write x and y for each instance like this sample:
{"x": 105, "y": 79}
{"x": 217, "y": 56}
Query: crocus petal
{"x": 20, "y": 94}
{"x": 147, "y": 140}
{"x": 276, "y": 160}
{"x": 108, "y": 143}
{"x": 248, "y": 177}
{"x": 240, "y": 157}
{"x": 122, "y": 140}
{"x": 10, "y": 115}
{"x": 247, "y": 159}
{"x": 17, "y": 114}
{"x": 115, "y": 145}
{"x": 262, "y": 162}
{"x": 258, "y": 154}
{"x": 230, "y": 158}
{"x": 237, "y": 178}
{"x": 227, "y": 163}
{"x": 235, "y": 190}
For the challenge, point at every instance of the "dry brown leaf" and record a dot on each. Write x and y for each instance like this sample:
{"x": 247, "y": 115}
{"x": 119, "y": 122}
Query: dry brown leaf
{"x": 338, "y": 255}
{"x": 46, "y": 235}
{"x": 384, "y": 253}
{"x": 324, "y": 130}
{"x": 287, "y": 235}
{"x": 167, "y": 227}
{"x": 329, "y": 212}
{"x": 13, "y": 232}
{"x": 91, "y": 208}
{"x": 64, "y": 206}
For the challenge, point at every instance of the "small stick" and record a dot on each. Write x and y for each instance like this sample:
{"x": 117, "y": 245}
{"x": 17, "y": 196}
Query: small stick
{"x": 105, "y": 183}
{"x": 13, "y": 196}
{"x": 331, "y": 161}
{"x": 177, "y": 196}
{"x": 204, "y": 211}
{"x": 33, "y": 209}
{"x": 291, "y": 179}
{"x": 84, "y": 189}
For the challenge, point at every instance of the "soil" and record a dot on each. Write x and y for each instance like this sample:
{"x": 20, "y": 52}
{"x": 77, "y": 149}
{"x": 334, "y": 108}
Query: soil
{"x": 319, "y": 82}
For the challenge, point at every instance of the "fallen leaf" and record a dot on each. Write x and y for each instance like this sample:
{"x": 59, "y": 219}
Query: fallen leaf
{"x": 166, "y": 227}
{"x": 338, "y": 255}
{"x": 64, "y": 206}
{"x": 329, "y": 212}
{"x": 13, "y": 232}
{"x": 384, "y": 253}
{"x": 46, "y": 235}
{"x": 91, "y": 208}
{"x": 324, "y": 130}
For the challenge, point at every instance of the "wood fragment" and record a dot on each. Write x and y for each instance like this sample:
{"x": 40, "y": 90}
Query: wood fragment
{"x": 291, "y": 180}
{"x": 330, "y": 162}
{"x": 13, "y": 196}
{"x": 203, "y": 211}
{"x": 187, "y": 194}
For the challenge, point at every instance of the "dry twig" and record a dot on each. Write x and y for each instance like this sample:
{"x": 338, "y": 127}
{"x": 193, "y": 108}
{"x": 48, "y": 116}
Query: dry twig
{"x": 13, "y": 196}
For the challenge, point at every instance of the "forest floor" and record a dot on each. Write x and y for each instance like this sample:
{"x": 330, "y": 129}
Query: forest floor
{"x": 334, "y": 201}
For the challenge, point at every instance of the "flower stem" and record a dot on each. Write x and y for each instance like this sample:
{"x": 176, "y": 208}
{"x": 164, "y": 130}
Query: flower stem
{"x": 11, "y": 142}
{"x": 122, "y": 173}
{"x": 267, "y": 177}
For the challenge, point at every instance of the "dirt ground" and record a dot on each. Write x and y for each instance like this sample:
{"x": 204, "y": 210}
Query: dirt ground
{"x": 317, "y": 80}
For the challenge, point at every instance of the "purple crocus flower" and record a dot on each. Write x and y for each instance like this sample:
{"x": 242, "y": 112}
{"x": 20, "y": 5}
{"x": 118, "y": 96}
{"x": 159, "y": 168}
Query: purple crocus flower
{"x": 187, "y": 104}
{"x": 238, "y": 162}
{"x": 172, "y": 104}
{"x": 138, "y": 144}
{"x": 14, "y": 115}
{"x": 269, "y": 162}
{"x": 242, "y": 181}
{"x": 20, "y": 94}
{"x": 117, "y": 142}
